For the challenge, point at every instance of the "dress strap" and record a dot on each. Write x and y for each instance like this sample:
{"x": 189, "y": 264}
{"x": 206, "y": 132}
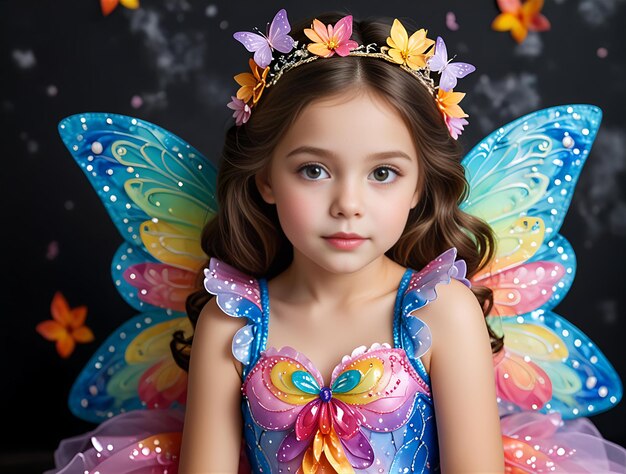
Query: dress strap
{"x": 238, "y": 295}
{"x": 412, "y": 333}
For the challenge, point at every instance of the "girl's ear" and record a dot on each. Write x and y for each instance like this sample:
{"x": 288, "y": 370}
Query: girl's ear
{"x": 264, "y": 186}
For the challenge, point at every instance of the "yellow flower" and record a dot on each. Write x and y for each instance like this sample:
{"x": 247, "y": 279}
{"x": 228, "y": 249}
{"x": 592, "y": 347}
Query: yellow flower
{"x": 409, "y": 51}
{"x": 252, "y": 84}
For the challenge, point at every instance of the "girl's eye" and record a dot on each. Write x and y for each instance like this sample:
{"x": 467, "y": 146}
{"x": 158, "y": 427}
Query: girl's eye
{"x": 313, "y": 172}
{"x": 384, "y": 174}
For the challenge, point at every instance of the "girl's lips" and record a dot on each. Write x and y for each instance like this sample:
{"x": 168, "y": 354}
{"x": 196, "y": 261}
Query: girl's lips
{"x": 343, "y": 243}
{"x": 344, "y": 235}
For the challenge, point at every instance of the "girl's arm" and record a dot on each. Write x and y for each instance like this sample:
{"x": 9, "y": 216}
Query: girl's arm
{"x": 213, "y": 425}
{"x": 463, "y": 384}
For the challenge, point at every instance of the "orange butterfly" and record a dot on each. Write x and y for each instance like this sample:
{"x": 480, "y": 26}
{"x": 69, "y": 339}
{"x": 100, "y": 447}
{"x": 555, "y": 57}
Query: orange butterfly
{"x": 520, "y": 18}
{"x": 67, "y": 326}
{"x": 109, "y": 5}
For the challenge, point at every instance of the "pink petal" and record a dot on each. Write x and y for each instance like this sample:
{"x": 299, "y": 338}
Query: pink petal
{"x": 346, "y": 421}
{"x": 345, "y": 48}
{"x": 307, "y": 421}
{"x": 235, "y": 103}
{"x": 509, "y": 6}
{"x": 455, "y": 126}
{"x": 539, "y": 23}
{"x": 343, "y": 29}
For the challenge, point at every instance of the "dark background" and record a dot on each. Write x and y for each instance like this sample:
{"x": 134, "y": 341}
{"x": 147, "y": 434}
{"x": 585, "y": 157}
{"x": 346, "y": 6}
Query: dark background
{"x": 171, "y": 63}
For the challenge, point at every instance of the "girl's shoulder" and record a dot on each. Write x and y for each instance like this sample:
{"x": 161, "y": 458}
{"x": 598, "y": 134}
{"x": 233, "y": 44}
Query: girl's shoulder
{"x": 436, "y": 285}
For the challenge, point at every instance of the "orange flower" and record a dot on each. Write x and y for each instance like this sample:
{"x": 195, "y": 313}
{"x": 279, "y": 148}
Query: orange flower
{"x": 448, "y": 102}
{"x": 108, "y": 6}
{"x": 520, "y": 18}
{"x": 329, "y": 39}
{"x": 252, "y": 84}
{"x": 67, "y": 326}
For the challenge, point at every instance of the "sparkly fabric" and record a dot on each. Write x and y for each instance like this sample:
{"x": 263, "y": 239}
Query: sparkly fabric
{"x": 540, "y": 443}
{"x": 139, "y": 441}
{"x": 376, "y": 412}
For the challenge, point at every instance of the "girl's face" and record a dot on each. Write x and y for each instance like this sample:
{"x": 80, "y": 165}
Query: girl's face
{"x": 345, "y": 166}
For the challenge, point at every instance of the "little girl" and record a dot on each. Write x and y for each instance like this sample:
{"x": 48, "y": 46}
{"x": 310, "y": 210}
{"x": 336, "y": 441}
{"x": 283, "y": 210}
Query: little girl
{"x": 342, "y": 177}
{"x": 344, "y": 335}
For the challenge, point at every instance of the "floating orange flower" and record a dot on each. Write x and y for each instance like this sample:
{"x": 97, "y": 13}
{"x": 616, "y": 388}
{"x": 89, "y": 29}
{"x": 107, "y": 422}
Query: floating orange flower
{"x": 520, "y": 18}
{"x": 108, "y": 6}
{"x": 412, "y": 52}
{"x": 67, "y": 326}
{"x": 252, "y": 84}
{"x": 329, "y": 39}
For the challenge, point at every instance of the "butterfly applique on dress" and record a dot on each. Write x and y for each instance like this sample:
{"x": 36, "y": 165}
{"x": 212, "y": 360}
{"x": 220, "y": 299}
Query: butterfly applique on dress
{"x": 159, "y": 192}
{"x": 373, "y": 390}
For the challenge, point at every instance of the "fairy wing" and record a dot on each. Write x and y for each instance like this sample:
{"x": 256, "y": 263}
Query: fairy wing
{"x": 522, "y": 177}
{"x": 159, "y": 192}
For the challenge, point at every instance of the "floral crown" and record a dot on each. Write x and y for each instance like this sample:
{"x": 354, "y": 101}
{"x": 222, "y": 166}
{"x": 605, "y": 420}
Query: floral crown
{"x": 414, "y": 54}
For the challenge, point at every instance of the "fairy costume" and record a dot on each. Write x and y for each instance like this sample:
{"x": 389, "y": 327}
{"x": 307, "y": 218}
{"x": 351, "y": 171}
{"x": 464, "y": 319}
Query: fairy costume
{"x": 376, "y": 412}
{"x": 521, "y": 178}
{"x": 159, "y": 191}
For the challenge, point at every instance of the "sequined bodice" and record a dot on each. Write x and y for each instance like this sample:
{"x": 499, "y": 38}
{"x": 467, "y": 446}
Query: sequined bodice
{"x": 376, "y": 413}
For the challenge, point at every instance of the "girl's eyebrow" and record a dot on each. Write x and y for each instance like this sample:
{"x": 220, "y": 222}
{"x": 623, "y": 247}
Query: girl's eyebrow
{"x": 312, "y": 150}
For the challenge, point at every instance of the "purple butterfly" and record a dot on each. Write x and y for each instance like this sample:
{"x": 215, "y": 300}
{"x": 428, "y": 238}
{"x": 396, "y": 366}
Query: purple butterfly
{"x": 449, "y": 71}
{"x": 262, "y": 45}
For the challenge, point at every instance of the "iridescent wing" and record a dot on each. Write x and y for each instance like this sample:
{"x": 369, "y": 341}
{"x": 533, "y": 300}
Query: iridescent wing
{"x": 522, "y": 177}
{"x": 159, "y": 192}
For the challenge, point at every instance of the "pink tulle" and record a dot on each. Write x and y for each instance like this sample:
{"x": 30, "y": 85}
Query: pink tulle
{"x": 138, "y": 442}
{"x": 538, "y": 443}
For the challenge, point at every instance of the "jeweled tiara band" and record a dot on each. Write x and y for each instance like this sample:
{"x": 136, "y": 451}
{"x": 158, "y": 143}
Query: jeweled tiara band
{"x": 417, "y": 55}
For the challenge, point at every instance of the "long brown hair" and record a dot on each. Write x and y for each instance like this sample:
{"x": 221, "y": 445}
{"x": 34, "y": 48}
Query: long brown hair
{"x": 246, "y": 233}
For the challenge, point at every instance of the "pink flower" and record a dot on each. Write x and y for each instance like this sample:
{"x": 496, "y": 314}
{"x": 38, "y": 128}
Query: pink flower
{"x": 242, "y": 110}
{"x": 328, "y": 40}
{"x": 455, "y": 126}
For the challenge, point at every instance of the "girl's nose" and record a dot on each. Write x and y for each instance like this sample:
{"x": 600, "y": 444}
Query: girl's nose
{"x": 347, "y": 200}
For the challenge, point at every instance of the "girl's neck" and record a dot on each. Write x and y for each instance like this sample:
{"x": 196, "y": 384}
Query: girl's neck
{"x": 305, "y": 281}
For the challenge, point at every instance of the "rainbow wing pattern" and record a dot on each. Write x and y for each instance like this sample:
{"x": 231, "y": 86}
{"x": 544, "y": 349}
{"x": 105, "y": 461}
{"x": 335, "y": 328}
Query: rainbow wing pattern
{"x": 522, "y": 177}
{"x": 159, "y": 192}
